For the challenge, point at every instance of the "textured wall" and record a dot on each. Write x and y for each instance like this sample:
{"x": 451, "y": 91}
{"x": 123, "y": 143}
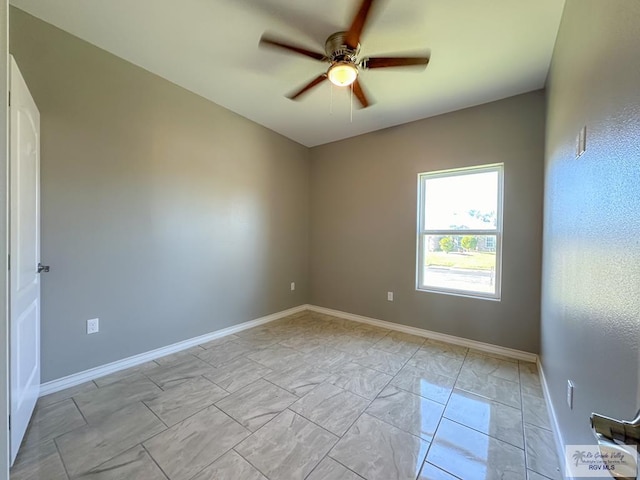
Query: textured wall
{"x": 363, "y": 212}
{"x": 163, "y": 214}
{"x": 591, "y": 271}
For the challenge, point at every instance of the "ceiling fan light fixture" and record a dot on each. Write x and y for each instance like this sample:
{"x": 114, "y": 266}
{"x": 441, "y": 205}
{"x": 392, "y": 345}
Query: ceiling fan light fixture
{"x": 342, "y": 74}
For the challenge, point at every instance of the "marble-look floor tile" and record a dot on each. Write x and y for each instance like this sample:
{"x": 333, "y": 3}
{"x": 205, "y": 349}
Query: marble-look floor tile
{"x": 467, "y": 453}
{"x": 486, "y": 365}
{"x": 92, "y": 445}
{"x": 219, "y": 341}
{"x": 261, "y": 331}
{"x": 302, "y": 343}
{"x": 258, "y": 342}
{"x": 181, "y": 401}
{"x": 67, "y": 393}
{"x": 331, "y": 407}
{"x": 298, "y": 379}
{"x": 497, "y": 356}
{"x": 360, "y": 380}
{"x": 130, "y": 374}
{"x": 541, "y": 453}
{"x": 38, "y": 462}
{"x": 436, "y": 347}
{"x": 448, "y": 366}
{"x": 166, "y": 376}
{"x": 52, "y": 421}
{"x": 379, "y": 451}
{"x": 230, "y": 466}
{"x": 409, "y": 412}
{"x": 100, "y": 403}
{"x": 531, "y": 475}
{"x": 287, "y": 448}
{"x": 400, "y": 343}
{"x": 329, "y": 469}
{"x": 327, "y": 358}
{"x": 133, "y": 464}
{"x": 487, "y": 416}
{"x": 238, "y": 373}
{"x": 256, "y": 404}
{"x": 491, "y": 387}
{"x": 368, "y": 333}
{"x": 425, "y": 383}
{"x": 385, "y": 362}
{"x": 534, "y": 411}
{"x": 351, "y": 345}
{"x": 180, "y": 356}
{"x": 431, "y": 472}
{"x": 191, "y": 445}
{"x": 216, "y": 356}
{"x": 276, "y": 357}
{"x": 530, "y": 379}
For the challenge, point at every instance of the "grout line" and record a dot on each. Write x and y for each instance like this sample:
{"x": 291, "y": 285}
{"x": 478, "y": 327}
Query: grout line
{"x": 64, "y": 466}
{"x": 153, "y": 460}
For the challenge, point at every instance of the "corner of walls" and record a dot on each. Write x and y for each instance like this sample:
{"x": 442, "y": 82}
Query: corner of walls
{"x": 163, "y": 214}
{"x": 363, "y": 214}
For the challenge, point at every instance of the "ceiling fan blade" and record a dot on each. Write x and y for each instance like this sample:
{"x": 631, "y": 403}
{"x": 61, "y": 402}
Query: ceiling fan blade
{"x": 292, "y": 48}
{"x": 385, "y": 62}
{"x": 360, "y": 95}
{"x": 309, "y": 86}
{"x": 352, "y": 37}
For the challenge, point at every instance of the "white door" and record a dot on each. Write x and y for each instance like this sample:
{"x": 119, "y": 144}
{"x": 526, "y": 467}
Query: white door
{"x": 24, "y": 251}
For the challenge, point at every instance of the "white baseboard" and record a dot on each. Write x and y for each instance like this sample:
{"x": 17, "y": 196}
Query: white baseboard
{"x": 101, "y": 371}
{"x": 465, "y": 342}
{"x": 555, "y": 427}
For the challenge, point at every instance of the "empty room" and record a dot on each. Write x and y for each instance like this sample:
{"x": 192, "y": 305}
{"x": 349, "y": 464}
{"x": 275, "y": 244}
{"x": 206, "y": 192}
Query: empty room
{"x": 342, "y": 240}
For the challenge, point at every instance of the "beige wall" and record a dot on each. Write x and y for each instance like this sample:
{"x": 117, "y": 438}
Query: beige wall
{"x": 363, "y": 212}
{"x": 163, "y": 214}
{"x": 591, "y": 279}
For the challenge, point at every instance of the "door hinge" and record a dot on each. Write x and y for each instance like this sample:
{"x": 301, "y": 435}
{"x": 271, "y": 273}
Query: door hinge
{"x": 8, "y": 262}
{"x": 9, "y": 422}
{"x": 9, "y": 97}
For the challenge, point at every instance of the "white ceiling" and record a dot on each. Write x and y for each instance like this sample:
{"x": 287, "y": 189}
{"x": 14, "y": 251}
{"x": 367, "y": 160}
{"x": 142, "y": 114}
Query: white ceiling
{"x": 481, "y": 50}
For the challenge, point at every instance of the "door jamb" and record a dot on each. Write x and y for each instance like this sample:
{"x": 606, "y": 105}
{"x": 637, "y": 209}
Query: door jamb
{"x": 4, "y": 317}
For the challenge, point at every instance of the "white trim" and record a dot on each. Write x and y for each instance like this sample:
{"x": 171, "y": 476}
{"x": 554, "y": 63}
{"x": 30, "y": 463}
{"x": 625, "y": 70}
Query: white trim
{"x": 555, "y": 427}
{"x": 97, "y": 372}
{"x": 443, "y": 337}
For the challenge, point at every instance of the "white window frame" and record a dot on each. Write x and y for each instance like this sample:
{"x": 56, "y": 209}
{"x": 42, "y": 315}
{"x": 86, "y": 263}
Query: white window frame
{"x": 422, "y": 232}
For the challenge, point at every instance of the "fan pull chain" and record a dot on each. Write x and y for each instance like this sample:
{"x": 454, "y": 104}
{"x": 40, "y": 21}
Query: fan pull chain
{"x": 331, "y": 99}
{"x": 351, "y": 103}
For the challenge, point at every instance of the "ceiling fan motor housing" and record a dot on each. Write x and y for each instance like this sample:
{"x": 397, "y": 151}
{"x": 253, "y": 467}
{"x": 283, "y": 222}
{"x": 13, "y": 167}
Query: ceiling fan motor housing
{"x": 338, "y": 51}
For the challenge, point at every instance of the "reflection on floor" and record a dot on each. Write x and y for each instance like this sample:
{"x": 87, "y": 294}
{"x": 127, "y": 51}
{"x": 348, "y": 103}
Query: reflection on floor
{"x": 306, "y": 397}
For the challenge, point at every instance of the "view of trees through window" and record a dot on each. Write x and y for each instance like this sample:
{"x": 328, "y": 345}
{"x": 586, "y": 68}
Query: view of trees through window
{"x": 459, "y": 231}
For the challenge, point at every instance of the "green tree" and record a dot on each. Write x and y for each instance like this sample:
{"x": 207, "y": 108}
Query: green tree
{"x": 469, "y": 242}
{"x": 446, "y": 244}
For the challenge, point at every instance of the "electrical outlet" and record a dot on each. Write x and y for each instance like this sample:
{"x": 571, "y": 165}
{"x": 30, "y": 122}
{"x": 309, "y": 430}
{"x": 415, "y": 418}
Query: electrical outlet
{"x": 570, "y": 394}
{"x": 293, "y": 286}
{"x": 93, "y": 326}
{"x": 390, "y": 296}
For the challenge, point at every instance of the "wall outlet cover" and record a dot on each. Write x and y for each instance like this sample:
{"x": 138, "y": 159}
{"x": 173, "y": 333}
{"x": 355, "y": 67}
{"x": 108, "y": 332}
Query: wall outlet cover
{"x": 93, "y": 326}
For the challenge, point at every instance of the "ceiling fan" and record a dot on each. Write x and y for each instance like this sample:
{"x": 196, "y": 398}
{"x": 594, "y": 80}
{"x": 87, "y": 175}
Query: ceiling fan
{"x": 342, "y": 51}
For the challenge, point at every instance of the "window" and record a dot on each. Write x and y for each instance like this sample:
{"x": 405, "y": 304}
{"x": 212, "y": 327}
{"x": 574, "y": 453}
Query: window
{"x": 460, "y": 231}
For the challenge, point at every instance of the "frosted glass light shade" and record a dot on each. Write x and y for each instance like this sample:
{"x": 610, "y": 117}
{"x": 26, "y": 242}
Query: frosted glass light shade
{"x": 342, "y": 74}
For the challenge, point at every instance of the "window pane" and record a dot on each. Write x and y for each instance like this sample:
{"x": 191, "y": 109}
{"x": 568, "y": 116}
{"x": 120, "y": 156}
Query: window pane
{"x": 457, "y": 262}
{"x": 461, "y": 202}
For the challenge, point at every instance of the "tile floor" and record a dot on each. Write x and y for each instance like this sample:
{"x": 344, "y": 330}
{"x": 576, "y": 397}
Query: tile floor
{"x": 306, "y": 397}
